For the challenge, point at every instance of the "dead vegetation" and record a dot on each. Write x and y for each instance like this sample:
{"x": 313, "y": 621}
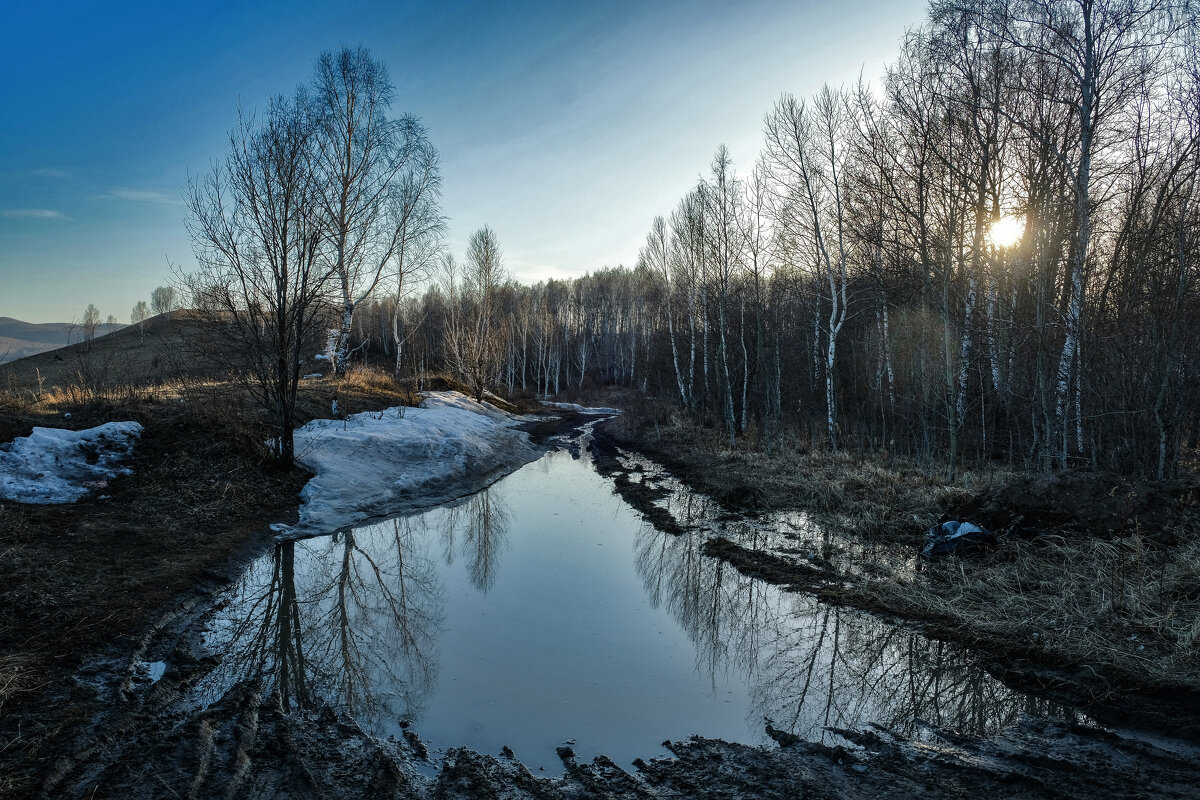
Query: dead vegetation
{"x": 80, "y": 578}
{"x": 1120, "y": 613}
{"x": 870, "y": 495}
{"x": 1102, "y": 600}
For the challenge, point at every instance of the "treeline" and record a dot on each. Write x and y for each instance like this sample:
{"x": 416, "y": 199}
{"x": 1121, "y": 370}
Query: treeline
{"x": 992, "y": 257}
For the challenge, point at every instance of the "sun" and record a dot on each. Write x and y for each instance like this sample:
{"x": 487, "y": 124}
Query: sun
{"x": 1006, "y": 231}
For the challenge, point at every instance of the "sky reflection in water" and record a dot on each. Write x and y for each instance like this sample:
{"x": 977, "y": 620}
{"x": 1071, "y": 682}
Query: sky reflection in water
{"x": 544, "y": 609}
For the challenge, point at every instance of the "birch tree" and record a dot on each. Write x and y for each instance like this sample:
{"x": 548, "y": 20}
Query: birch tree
{"x": 1104, "y": 51}
{"x": 807, "y": 151}
{"x": 362, "y": 157}
{"x": 477, "y": 334}
{"x": 724, "y": 243}
{"x": 656, "y": 256}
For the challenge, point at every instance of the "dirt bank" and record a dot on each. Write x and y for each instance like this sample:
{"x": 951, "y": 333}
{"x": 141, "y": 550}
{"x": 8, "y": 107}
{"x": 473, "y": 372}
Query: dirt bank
{"x": 1091, "y": 596}
{"x": 101, "y": 574}
{"x": 248, "y": 746}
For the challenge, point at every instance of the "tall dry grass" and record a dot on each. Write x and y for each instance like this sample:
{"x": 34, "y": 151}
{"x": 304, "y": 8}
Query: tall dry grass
{"x": 1124, "y": 608}
{"x": 1120, "y": 608}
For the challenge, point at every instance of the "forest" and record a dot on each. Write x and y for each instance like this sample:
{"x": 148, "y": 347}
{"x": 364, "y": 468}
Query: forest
{"x": 874, "y": 474}
{"x": 988, "y": 254}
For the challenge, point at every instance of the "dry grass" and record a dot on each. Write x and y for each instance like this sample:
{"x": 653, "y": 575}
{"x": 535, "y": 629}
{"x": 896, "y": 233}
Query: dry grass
{"x": 16, "y": 680}
{"x": 871, "y": 495}
{"x": 79, "y": 578}
{"x": 1125, "y": 612}
{"x": 1121, "y": 610}
{"x": 151, "y": 354}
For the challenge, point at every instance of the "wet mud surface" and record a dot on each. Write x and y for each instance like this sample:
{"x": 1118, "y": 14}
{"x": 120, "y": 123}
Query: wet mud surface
{"x": 245, "y": 745}
{"x": 148, "y": 738}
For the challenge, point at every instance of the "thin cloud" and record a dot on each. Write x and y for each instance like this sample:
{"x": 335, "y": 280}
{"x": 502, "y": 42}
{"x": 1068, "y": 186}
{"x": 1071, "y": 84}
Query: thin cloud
{"x": 145, "y": 196}
{"x": 49, "y": 173}
{"x": 33, "y": 213}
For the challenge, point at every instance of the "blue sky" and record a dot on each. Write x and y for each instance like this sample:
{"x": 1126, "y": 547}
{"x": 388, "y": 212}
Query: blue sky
{"x": 565, "y": 127}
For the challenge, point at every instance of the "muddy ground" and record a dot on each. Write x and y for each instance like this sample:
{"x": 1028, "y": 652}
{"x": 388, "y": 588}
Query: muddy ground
{"x": 105, "y": 729}
{"x": 99, "y": 575}
{"x": 149, "y": 743}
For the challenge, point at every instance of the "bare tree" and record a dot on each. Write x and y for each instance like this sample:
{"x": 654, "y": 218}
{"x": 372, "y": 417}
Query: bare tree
{"x": 476, "y": 328}
{"x": 656, "y": 256}
{"x": 164, "y": 300}
{"x": 255, "y": 225}
{"x": 415, "y": 213}
{"x": 363, "y": 158}
{"x": 724, "y": 245}
{"x": 1102, "y": 52}
{"x": 141, "y": 312}
{"x": 807, "y": 151}
{"x": 91, "y": 319}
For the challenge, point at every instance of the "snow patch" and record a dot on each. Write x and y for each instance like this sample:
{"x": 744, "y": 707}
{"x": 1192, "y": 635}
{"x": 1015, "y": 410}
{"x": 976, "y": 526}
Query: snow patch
{"x": 403, "y": 459}
{"x": 581, "y": 409}
{"x": 53, "y": 465}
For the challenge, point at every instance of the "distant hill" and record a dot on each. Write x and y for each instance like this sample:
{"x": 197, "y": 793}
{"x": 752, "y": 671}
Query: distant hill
{"x": 20, "y": 339}
{"x": 132, "y": 355}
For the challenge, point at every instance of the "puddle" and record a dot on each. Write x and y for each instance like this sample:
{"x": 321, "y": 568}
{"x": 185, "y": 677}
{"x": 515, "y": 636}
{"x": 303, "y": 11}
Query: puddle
{"x": 151, "y": 671}
{"x": 793, "y": 533}
{"x": 544, "y": 610}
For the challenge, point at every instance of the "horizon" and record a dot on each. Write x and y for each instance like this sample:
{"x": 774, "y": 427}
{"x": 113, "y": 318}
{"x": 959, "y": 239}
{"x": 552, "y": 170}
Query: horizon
{"x": 564, "y": 127}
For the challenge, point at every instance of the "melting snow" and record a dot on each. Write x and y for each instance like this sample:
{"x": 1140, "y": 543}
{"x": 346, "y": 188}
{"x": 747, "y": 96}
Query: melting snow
{"x": 403, "y": 459}
{"x": 581, "y": 409}
{"x": 53, "y": 465}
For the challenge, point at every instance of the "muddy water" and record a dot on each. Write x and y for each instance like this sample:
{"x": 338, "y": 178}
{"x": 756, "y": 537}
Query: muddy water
{"x": 544, "y": 610}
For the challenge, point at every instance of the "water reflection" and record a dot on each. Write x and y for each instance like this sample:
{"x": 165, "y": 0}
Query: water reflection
{"x": 356, "y": 625}
{"x": 551, "y": 630}
{"x": 483, "y": 520}
{"x": 787, "y": 532}
{"x": 812, "y": 666}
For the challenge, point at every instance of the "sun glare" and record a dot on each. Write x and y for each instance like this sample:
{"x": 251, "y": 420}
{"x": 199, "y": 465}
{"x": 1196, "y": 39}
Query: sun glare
{"x": 1006, "y": 231}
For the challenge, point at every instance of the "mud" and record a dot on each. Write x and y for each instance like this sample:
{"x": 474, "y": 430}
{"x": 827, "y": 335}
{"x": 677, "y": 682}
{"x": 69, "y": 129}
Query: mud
{"x": 640, "y": 494}
{"x": 249, "y": 746}
{"x": 143, "y": 738}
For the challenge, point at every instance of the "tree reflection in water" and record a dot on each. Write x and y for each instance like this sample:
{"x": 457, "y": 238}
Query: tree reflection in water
{"x": 354, "y": 620}
{"x": 812, "y": 666}
{"x": 356, "y": 626}
{"x": 482, "y": 520}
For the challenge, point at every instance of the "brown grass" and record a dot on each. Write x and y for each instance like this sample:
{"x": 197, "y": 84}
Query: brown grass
{"x": 871, "y": 495}
{"x": 80, "y": 578}
{"x": 1121, "y": 610}
{"x": 138, "y": 356}
{"x": 1126, "y": 611}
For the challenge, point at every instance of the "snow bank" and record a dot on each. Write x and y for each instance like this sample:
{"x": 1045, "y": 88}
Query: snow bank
{"x": 581, "y": 409}
{"x": 53, "y": 465}
{"x": 403, "y": 459}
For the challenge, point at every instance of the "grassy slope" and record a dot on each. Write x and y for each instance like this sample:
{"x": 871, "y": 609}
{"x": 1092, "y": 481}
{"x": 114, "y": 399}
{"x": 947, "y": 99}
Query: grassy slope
{"x": 20, "y": 339}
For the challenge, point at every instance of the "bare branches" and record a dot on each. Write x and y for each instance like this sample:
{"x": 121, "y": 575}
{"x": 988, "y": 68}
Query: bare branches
{"x": 255, "y": 225}
{"x": 377, "y": 177}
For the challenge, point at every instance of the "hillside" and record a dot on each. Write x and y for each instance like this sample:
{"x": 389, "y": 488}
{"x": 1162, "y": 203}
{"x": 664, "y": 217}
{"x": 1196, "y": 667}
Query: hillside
{"x": 129, "y": 354}
{"x": 21, "y": 339}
